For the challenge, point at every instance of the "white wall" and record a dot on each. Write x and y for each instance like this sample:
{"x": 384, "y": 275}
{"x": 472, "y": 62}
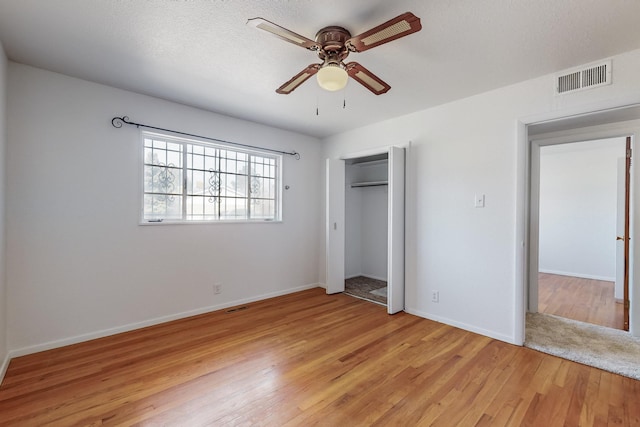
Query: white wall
{"x": 4, "y": 359}
{"x": 578, "y": 190}
{"x": 471, "y": 255}
{"x": 80, "y": 266}
{"x": 373, "y": 231}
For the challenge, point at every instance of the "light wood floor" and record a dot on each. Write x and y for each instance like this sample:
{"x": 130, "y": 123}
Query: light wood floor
{"x": 585, "y": 300}
{"x": 310, "y": 359}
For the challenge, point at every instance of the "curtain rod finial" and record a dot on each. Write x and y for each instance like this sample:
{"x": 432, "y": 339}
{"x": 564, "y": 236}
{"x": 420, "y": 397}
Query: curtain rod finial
{"x": 117, "y": 122}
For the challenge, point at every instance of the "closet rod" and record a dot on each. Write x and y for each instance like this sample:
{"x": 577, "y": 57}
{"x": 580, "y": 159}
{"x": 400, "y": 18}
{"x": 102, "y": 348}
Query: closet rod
{"x": 117, "y": 122}
{"x": 368, "y": 184}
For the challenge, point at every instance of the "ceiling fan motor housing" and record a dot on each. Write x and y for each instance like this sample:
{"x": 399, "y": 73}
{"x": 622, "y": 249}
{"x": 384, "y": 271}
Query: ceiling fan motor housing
{"x": 332, "y": 39}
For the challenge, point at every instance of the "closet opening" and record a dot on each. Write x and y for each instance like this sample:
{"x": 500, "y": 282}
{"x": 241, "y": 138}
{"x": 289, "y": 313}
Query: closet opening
{"x": 366, "y": 227}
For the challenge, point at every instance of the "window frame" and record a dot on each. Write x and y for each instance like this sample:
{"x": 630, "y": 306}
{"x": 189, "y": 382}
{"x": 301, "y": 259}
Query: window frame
{"x": 184, "y": 194}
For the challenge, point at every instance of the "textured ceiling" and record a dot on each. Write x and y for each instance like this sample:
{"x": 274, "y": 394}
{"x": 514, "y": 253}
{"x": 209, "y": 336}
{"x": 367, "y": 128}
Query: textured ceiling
{"x": 201, "y": 53}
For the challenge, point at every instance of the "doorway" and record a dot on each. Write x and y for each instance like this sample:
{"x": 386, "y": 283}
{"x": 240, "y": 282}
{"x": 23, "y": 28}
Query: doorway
{"x": 570, "y": 130}
{"x": 383, "y": 215}
{"x": 581, "y": 198}
{"x": 366, "y": 227}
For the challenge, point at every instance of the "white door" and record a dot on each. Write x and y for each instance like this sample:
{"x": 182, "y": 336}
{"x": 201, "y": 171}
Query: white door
{"x": 335, "y": 220}
{"x": 395, "y": 242}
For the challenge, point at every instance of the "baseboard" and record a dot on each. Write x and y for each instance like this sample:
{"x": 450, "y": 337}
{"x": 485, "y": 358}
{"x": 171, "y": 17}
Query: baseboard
{"x": 368, "y": 276}
{"x": 4, "y": 366}
{"x": 151, "y": 322}
{"x": 466, "y": 327}
{"x": 580, "y": 275}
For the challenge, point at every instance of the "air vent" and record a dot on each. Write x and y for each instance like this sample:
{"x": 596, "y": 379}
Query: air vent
{"x": 584, "y": 78}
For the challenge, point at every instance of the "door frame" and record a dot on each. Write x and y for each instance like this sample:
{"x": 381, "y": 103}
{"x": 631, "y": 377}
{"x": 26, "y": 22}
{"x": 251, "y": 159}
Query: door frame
{"x": 577, "y": 134}
{"x": 336, "y": 221}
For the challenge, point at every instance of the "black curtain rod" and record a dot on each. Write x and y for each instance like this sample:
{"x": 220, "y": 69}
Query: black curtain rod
{"x": 117, "y": 122}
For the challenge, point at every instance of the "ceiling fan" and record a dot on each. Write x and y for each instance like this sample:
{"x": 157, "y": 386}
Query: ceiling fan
{"x": 333, "y": 44}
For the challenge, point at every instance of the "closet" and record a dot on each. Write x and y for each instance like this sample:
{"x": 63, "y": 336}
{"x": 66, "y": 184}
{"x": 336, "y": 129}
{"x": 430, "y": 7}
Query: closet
{"x": 365, "y": 222}
{"x": 366, "y": 204}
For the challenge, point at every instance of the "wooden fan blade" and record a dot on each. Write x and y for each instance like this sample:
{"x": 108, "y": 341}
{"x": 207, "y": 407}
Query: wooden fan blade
{"x": 366, "y": 78}
{"x": 283, "y": 34}
{"x": 400, "y": 26}
{"x": 298, "y": 79}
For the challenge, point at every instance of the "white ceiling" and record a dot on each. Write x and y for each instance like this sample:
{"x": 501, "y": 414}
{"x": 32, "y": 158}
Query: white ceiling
{"x": 201, "y": 53}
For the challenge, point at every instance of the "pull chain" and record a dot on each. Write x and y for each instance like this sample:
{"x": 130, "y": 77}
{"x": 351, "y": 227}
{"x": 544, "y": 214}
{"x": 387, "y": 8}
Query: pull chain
{"x": 344, "y": 98}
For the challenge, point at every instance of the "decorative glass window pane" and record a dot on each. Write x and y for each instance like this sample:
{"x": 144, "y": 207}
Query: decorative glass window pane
{"x": 187, "y": 180}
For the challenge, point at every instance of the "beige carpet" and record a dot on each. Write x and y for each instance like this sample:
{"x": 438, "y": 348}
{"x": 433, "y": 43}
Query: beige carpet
{"x": 605, "y": 348}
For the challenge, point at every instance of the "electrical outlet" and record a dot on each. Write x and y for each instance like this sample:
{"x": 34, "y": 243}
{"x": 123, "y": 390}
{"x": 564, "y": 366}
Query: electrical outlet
{"x": 217, "y": 288}
{"x": 435, "y": 296}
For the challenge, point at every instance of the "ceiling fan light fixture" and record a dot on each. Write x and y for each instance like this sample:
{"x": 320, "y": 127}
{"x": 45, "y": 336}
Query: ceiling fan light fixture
{"x": 332, "y": 77}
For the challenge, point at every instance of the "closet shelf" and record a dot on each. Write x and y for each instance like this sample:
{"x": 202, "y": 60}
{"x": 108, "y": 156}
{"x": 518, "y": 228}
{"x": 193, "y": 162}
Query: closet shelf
{"x": 369, "y": 184}
{"x": 372, "y": 162}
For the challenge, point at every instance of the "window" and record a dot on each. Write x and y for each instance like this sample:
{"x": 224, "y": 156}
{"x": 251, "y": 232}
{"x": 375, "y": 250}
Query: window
{"x": 188, "y": 180}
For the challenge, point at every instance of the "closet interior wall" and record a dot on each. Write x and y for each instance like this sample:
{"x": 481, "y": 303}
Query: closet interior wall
{"x": 366, "y": 219}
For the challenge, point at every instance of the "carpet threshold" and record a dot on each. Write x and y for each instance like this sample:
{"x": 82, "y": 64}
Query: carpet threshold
{"x": 609, "y": 349}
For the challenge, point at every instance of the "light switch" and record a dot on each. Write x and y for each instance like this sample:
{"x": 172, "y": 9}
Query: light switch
{"x": 479, "y": 203}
